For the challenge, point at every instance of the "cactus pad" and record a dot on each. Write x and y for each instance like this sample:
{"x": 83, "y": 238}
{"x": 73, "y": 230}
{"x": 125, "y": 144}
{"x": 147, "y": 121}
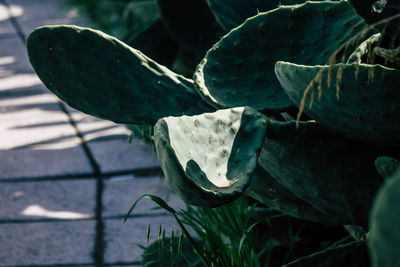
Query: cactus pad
{"x": 361, "y": 101}
{"x": 237, "y": 11}
{"x": 239, "y": 69}
{"x": 386, "y": 166}
{"x": 353, "y": 254}
{"x": 384, "y": 237}
{"x": 209, "y": 158}
{"x": 101, "y": 76}
{"x": 265, "y": 189}
{"x": 333, "y": 174}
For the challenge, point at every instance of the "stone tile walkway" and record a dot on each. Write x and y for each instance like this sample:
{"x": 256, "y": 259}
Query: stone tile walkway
{"x": 66, "y": 179}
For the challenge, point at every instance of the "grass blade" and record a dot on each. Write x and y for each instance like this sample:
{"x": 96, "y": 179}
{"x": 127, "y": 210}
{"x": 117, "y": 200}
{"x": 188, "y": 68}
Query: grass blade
{"x": 156, "y": 199}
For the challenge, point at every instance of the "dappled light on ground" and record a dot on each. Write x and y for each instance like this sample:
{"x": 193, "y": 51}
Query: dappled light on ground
{"x": 19, "y": 81}
{"x": 7, "y": 60}
{"x": 14, "y": 11}
{"x": 39, "y": 211}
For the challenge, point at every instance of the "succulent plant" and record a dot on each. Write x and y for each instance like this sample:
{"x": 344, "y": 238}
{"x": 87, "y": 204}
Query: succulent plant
{"x": 232, "y": 131}
{"x": 384, "y": 228}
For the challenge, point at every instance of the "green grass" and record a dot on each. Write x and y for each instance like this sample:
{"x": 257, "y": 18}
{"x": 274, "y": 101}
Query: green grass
{"x": 230, "y": 235}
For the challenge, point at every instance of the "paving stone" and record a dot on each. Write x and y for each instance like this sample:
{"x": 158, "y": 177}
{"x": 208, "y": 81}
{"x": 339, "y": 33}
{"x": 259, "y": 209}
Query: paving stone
{"x": 46, "y": 12}
{"x": 34, "y": 121}
{"x": 13, "y": 56}
{"x": 121, "y": 239}
{"x": 93, "y": 128}
{"x": 109, "y": 143}
{"x": 5, "y": 25}
{"x": 6, "y": 30}
{"x": 120, "y": 155}
{"x": 120, "y": 193}
{"x": 37, "y": 139}
{"x": 14, "y": 85}
{"x": 32, "y": 163}
{"x": 47, "y": 243}
{"x": 23, "y": 91}
{"x": 61, "y": 199}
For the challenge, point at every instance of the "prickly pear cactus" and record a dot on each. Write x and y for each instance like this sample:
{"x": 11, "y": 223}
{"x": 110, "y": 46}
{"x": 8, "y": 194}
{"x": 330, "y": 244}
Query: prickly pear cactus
{"x": 352, "y": 254}
{"x": 265, "y": 189}
{"x": 239, "y": 69}
{"x": 209, "y": 159}
{"x": 358, "y": 101}
{"x": 289, "y": 155}
{"x": 384, "y": 237}
{"x": 386, "y": 166}
{"x": 102, "y": 76}
{"x": 325, "y": 168}
{"x": 237, "y": 11}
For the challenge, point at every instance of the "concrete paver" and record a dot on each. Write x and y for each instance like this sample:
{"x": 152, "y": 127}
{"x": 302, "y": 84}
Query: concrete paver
{"x": 121, "y": 239}
{"x": 120, "y": 193}
{"x": 37, "y": 139}
{"x": 20, "y": 84}
{"x": 5, "y": 25}
{"x": 13, "y": 56}
{"x": 47, "y": 243}
{"x": 109, "y": 144}
{"x": 93, "y": 128}
{"x": 119, "y": 155}
{"x": 61, "y": 199}
{"x": 34, "y": 163}
{"x": 58, "y": 222}
{"x": 34, "y": 121}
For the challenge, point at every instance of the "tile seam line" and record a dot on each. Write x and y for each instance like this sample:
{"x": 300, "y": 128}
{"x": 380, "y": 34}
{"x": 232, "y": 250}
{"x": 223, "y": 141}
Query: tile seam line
{"x": 52, "y": 265}
{"x": 142, "y": 173}
{"x": 134, "y": 263}
{"x": 92, "y": 218}
{"x": 22, "y": 37}
{"x": 13, "y": 20}
{"x": 98, "y": 256}
{"x": 98, "y": 253}
{"x": 86, "y": 149}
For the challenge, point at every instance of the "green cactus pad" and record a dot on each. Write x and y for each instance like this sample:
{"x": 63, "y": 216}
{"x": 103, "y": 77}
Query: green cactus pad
{"x": 209, "y": 158}
{"x": 333, "y": 174}
{"x": 386, "y": 166}
{"x": 384, "y": 237}
{"x": 239, "y": 69}
{"x": 237, "y": 11}
{"x": 265, "y": 189}
{"x": 353, "y": 254}
{"x": 101, "y": 76}
{"x": 362, "y": 101}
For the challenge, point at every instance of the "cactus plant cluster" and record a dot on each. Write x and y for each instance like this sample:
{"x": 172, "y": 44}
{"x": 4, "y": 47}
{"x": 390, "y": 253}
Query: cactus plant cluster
{"x": 232, "y": 130}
